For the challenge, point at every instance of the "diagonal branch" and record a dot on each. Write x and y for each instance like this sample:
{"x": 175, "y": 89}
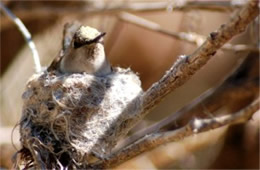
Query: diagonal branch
{"x": 193, "y": 127}
{"x": 186, "y": 66}
{"x": 183, "y": 69}
{"x": 189, "y": 37}
{"x": 180, "y": 73}
{"x": 26, "y": 34}
{"x": 239, "y": 81}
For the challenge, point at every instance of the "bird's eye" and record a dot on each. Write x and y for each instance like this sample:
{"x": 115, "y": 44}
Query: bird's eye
{"x": 78, "y": 44}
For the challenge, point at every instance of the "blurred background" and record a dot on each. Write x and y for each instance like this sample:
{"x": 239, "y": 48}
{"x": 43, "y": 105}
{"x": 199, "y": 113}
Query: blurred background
{"x": 149, "y": 53}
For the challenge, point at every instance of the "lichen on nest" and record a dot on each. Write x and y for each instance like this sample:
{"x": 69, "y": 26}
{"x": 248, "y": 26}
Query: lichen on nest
{"x": 70, "y": 120}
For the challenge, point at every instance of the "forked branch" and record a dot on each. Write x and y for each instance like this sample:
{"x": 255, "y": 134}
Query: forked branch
{"x": 186, "y": 66}
{"x": 195, "y": 126}
{"x": 179, "y": 73}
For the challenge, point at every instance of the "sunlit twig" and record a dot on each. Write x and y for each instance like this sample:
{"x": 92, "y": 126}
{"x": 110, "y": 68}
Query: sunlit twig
{"x": 189, "y": 37}
{"x": 26, "y": 34}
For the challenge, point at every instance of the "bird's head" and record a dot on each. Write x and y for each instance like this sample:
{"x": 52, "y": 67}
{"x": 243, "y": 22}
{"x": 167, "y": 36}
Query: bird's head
{"x": 86, "y": 53}
{"x": 87, "y": 36}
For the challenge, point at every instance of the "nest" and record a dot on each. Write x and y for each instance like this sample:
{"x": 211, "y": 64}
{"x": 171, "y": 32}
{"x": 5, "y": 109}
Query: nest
{"x": 72, "y": 120}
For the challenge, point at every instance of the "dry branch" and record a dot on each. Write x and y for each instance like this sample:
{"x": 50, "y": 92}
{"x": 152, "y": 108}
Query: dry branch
{"x": 186, "y": 66}
{"x": 189, "y": 37}
{"x": 115, "y": 6}
{"x": 195, "y": 126}
{"x": 99, "y": 7}
{"x": 240, "y": 81}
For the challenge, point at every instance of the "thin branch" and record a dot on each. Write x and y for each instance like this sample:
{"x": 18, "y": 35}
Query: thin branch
{"x": 220, "y": 96}
{"x": 183, "y": 69}
{"x": 172, "y": 118}
{"x": 180, "y": 72}
{"x": 190, "y": 37}
{"x": 151, "y": 6}
{"x": 26, "y": 34}
{"x": 193, "y": 127}
{"x": 112, "y": 7}
{"x": 186, "y": 66}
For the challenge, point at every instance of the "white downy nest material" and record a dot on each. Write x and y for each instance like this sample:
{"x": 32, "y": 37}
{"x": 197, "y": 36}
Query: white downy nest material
{"x": 68, "y": 118}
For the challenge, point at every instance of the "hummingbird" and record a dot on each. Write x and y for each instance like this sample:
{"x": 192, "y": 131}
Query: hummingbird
{"x": 83, "y": 51}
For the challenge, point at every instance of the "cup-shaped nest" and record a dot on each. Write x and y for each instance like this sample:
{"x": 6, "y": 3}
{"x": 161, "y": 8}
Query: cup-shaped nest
{"x": 70, "y": 119}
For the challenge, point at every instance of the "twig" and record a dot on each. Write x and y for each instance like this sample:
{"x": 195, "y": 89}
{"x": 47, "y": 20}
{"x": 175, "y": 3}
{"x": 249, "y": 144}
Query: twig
{"x": 180, "y": 72}
{"x": 213, "y": 99}
{"x": 115, "y": 6}
{"x": 189, "y": 37}
{"x": 26, "y": 34}
{"x": 193, "y": 127}
{"x": 186, "y": 66}
{"x": 172, "y": 118}
{"x": 99, "y": 7}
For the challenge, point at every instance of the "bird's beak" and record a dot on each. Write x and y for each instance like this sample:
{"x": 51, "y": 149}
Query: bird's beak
{"x": 98, "y": 37}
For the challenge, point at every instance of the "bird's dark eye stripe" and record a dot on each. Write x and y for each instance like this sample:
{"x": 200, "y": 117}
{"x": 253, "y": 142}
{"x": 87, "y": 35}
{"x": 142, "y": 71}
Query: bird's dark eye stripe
{"x": 78, "y": 44}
